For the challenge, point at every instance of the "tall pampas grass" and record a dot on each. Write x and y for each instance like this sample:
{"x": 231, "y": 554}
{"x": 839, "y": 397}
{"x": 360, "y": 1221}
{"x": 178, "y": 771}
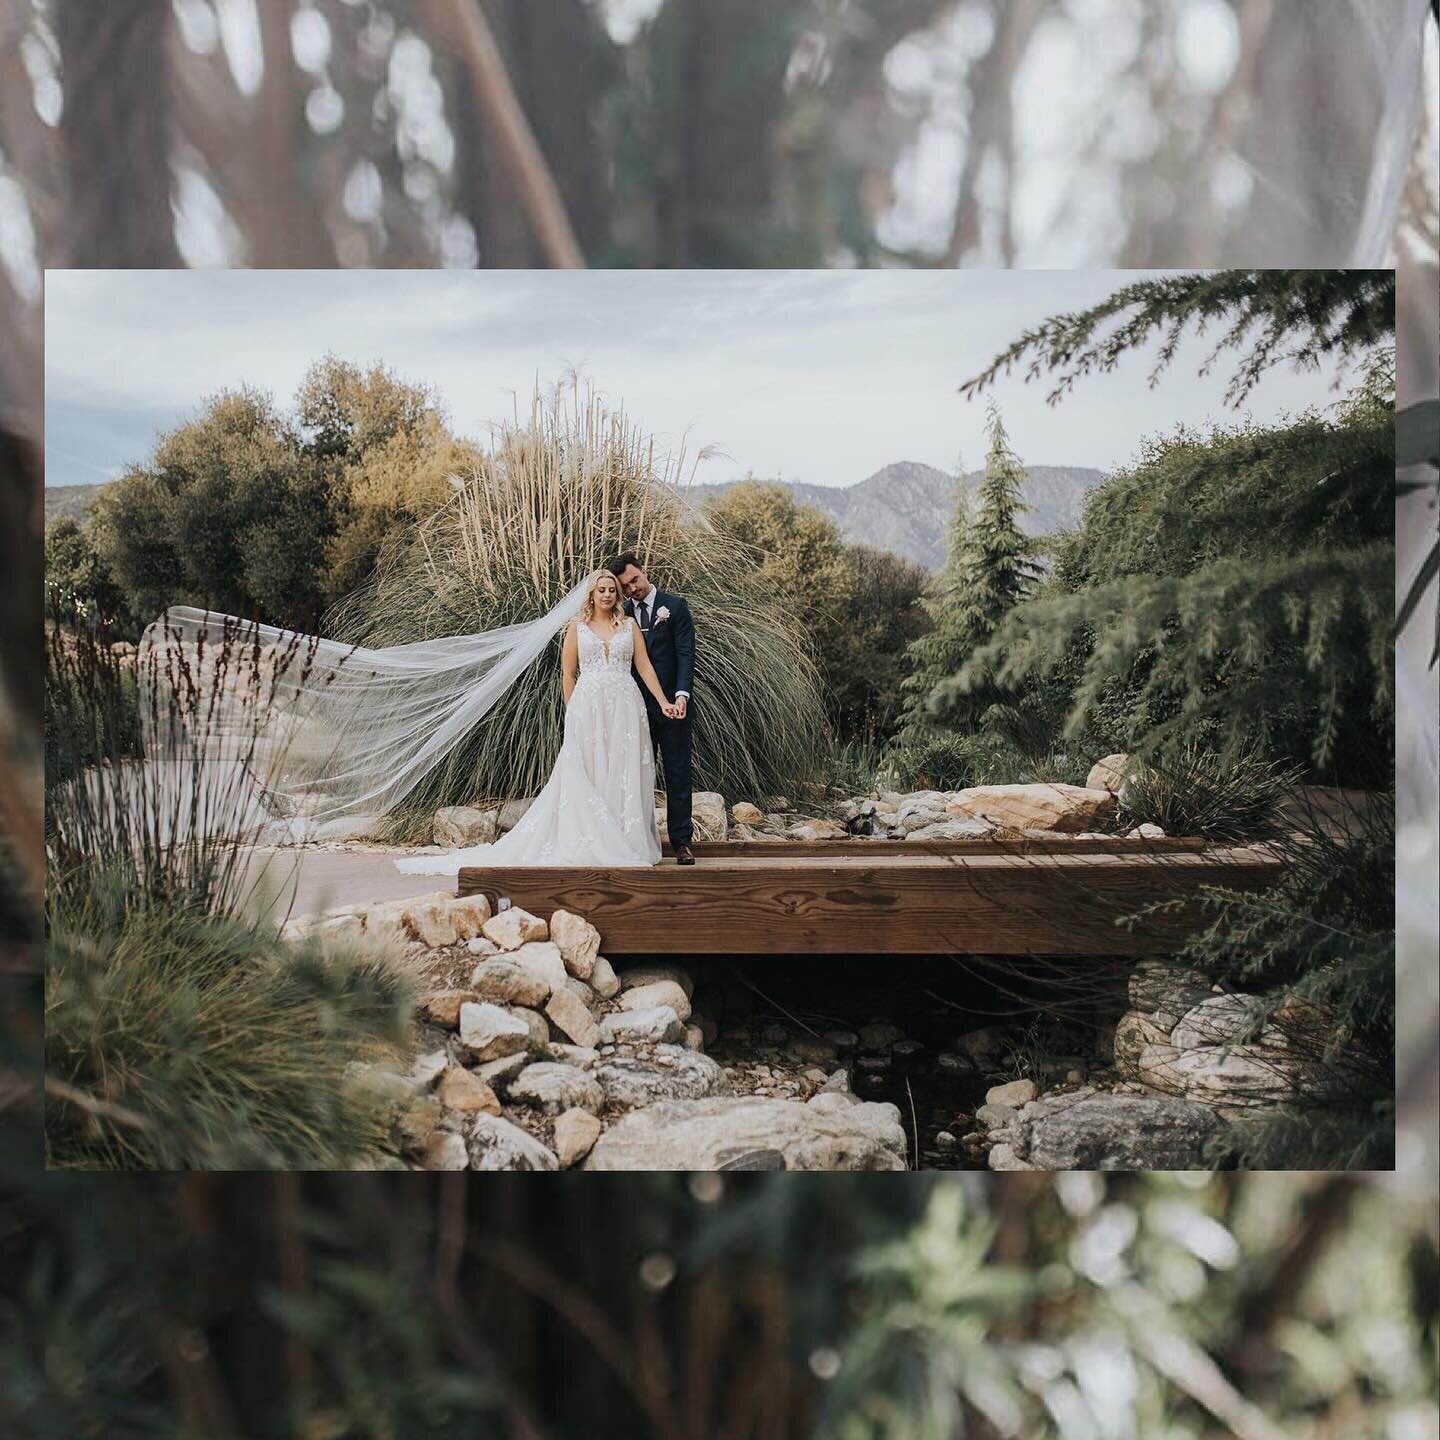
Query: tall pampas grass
{"x": 558, "y": 494}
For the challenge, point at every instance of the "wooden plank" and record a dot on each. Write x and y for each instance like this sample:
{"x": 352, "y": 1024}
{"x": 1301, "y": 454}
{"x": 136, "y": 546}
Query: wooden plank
{"x": 1054, "y": 844}
{"x": 919, "y": 904}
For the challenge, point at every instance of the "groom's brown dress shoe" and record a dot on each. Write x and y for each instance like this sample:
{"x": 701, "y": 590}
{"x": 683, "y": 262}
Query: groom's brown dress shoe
{"x": 684, "y": 855}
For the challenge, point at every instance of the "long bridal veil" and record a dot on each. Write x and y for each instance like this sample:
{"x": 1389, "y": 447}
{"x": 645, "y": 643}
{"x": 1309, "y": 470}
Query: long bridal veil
{"x": 312, "y": 730}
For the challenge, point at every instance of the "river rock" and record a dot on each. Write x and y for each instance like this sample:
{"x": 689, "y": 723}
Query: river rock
{"x": 496, "y": 1143}
{"x": 1014, "y": 1092}
{"x": 490, "y": 1032}
{"x": 444, "y": 1150}
{"x": 576, "y": 1131}
{"x": 1051, "y": 807}
{"x": 461, "y": 1090}
{"x": 1116, "y": 1132}
{"x": 458, "y": 826}
{"x": 657, "y": 993}
{"x": 673, "y": 1073}
{"x": 1107, "y": 774}
{"x": 553, "y": 1087}
{"x": 504, "y": 982}
{"x": 636, "y": 975}
{"x": 603, "y": 979}
{"x": 1214, "y": 1021}
{"x": 718, "y": 1132}
{"x": 578, "y": 941}
{"x": 744, "y": 813}
{"x": 512, "y": 928}
{"x": 571, "y": 1016}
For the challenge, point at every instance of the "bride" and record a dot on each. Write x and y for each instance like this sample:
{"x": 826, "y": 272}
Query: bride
{"x": 598, "y": 805}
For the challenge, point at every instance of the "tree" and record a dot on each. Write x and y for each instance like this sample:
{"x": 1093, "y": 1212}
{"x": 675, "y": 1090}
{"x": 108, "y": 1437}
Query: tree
{"x": 71, "y": 562}
{"x": 987, "y": 573}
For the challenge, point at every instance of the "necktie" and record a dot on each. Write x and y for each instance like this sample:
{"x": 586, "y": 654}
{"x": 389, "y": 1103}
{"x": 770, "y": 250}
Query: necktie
{"x": 644, "y": 615}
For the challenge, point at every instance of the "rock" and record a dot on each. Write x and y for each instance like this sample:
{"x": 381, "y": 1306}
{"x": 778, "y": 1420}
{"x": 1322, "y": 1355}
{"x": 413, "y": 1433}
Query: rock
{"x": 839, "y": 1081}
{"x": 707, "y": 810}
{"x": 537, "y": 1025}
{"x": 1147, "y": 831}
{"x": 503, "y": 982}
{"x": 444, "y": 1150}
{"x": 996, "y": 1116}
{"x": 583, "y": 993}
{"x": 1003, "y": 1157}
{"x": 949, "y": 1064}
{"x": 553, "y": 1087}
{"x": 814, "y": 1052}
{"x": 1015, "y": 1092}
{"x": 581, "y": 1056}
{"x": 1214, "y": 1021}
{"x": 499, "y": 1073}
{"x": 1108, "y": 773}
{"x": 880, "y": 1035}
{"x": 479, "y": 945}
{"x": 1077, "y": 1076}
{"x": 657, "y": 993}
{"x": 578, "y": 941}
{"x": 1235, "y": 1077}
{"x": 637, "y": 975}
{"x": 576, "y": 1131}
{"x": 744, "y": 813}
{"x": 512, "y": 928}
{"x": 462, "y": 1090}
{"x": 1133, "y": 1032}
{"x": 720, "y": 1132}
{"x": 904, "y": 1049}
{"x": 419, "y": 1121}
{"x": 1051, "y": 807}
{"x": 489, "y": 1032}
{"x": 709, "y": 1030}
{"x": 542, "y": 959}
{"x": 442, "y": 1007}
{"x": 458, "y": 826}
{"x": 834, "y": 1100}
{"x": 499, "y": 1144}
{"x": 511, "y": 812}
{"x": 1117, "y": 1132}
{"x": 952, "y": 828}
{"x": 427, "y": 1069}
{"x": 920, "y": 807}
{"x": 603, "y": 979}
{"x": 694, "y": 1038}
{"x": 945, "y": 1140}
{"x": 432, "y": 919}
{"x": 571, "y": 1016}
{"x": 1163, "y": 991}
{"x": 675, "y": 1073}
{"x": 817, "y": 830}
{"x": 981, "y": 1046}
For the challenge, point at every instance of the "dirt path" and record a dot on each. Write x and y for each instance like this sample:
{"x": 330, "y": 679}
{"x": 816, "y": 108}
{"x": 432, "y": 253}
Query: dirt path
{"x": 326, "y": 879}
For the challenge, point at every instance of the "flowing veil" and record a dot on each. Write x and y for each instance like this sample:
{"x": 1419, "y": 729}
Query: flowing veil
{"x": 321, "y": 730}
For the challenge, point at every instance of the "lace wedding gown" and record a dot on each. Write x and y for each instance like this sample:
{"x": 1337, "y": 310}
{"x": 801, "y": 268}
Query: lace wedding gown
{"x": 598, "y": 806}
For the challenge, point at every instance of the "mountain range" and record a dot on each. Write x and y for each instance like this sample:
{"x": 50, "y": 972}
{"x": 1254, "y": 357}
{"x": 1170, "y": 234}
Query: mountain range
{"x": 906, "y": 506}
{"x": 903, "y": 507}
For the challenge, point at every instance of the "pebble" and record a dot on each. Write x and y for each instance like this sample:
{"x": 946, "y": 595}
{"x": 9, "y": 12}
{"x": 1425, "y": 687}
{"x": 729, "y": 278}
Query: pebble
{"x": 948, "y": 1063}
{"x": 945, "y": 1140}
{"x": 872, "y": 1063}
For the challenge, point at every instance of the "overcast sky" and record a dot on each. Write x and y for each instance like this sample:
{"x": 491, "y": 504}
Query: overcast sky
{"x": 820, "y": 376}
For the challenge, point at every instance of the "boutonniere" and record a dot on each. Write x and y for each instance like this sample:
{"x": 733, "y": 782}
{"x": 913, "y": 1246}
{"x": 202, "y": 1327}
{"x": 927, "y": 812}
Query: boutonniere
{"x": 662, "y": 614}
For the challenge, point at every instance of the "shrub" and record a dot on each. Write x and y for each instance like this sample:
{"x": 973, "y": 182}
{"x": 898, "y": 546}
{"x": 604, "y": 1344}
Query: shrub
{"x": 1204, "y": 792}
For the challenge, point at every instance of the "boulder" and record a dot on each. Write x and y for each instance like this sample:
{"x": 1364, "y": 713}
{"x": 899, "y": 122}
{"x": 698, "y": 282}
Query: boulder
{"x": 1235, "y": 1077}
{"x": 512, "y": 928}
{"x": 1116, "y": 1132}
{"x": 1133, "y": 1032}
{"x": 570, "y": 1016}
{"x": 583, "y": 993}
{"x": 479, "y": 945}
{"x": 541, "y": 958}
{"x": 725, "y": 1132}
{"x": 674, "y": 1073}
{"x": 578, "y": 941}
{"x": 833, "y": 1100}
{"x": 1214, "y": 1021}
{"x": 1164, "y": 992}
{"x": 553, "y": 1087}
{"x": 510, "y": 813}
{"x": 576, "y": 1131}
{"x": 442, "y": 1007}
{"x": 537, "y": 1025}
{"x": 1063, "y": 809}
{"x": 496, "y": 1143}
{"x": 1015, "y": 1092}
{"x": 503, "y": 982}
{"x": 636, "y": 975}
{"x": 657, "y": 993}
{"x": 952, "y": 828}
{"x": 490, "y": 1033}
{"x": 707, "y": 810}
{"x": 603, "y": 979}
{"x": 1108, "y": 773}
{"x": 744, "y": 813}
{"x": 641, "y": 1026}
{"x": 921, "y": 807}
{"x": 459, "y": 826}
{"x": 444, "y": 1150}
{"x": 461, "y": 1090}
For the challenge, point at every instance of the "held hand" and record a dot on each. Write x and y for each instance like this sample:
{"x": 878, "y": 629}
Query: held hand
{"x": 672, "y": 711}
{"x": 679, "y": 707}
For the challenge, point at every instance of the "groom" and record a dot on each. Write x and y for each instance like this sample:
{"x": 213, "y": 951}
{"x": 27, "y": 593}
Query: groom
{"x": 669, "y": 634}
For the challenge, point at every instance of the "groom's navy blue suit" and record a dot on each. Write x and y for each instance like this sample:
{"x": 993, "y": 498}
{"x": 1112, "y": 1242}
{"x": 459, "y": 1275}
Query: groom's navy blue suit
{"x": 670, "y": 642}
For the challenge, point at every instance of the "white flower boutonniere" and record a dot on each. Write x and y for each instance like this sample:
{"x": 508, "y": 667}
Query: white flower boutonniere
{"x": 662, "y": 614}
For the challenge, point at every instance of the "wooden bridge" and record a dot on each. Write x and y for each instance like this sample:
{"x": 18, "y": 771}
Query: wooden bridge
{"x": 1059, "y": 896}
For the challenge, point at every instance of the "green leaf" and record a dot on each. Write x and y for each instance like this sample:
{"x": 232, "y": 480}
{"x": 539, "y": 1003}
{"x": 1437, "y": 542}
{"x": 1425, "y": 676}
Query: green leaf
{"x": 1417, "y": 434}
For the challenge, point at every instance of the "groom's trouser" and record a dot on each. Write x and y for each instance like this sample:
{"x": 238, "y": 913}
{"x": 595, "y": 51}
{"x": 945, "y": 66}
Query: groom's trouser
{"x": 673, "y": 738}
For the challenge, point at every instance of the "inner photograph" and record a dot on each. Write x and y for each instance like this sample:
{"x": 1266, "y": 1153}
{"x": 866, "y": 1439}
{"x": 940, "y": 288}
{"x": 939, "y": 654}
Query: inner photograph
{"x": 719, "y": 720}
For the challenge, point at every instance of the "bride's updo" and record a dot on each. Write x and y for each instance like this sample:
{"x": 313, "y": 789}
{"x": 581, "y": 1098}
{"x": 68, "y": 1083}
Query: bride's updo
{"x": 589, "y": 608}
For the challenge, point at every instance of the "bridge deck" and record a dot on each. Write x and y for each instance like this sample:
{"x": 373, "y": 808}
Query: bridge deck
{"x": 1053, "y": 897}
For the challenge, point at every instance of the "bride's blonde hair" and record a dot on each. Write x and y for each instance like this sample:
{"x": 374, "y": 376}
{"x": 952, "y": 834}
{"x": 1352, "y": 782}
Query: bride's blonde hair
{"x": 587, "y": 610}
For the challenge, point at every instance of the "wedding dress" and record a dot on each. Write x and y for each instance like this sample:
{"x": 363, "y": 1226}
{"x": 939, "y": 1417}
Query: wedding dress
{"x": 598, "y": 806}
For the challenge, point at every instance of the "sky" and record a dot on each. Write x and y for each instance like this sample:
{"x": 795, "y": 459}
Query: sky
{"x": 816, "y": 376}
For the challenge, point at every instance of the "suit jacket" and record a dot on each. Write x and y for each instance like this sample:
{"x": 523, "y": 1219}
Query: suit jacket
{"x": 671, "y": 644}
